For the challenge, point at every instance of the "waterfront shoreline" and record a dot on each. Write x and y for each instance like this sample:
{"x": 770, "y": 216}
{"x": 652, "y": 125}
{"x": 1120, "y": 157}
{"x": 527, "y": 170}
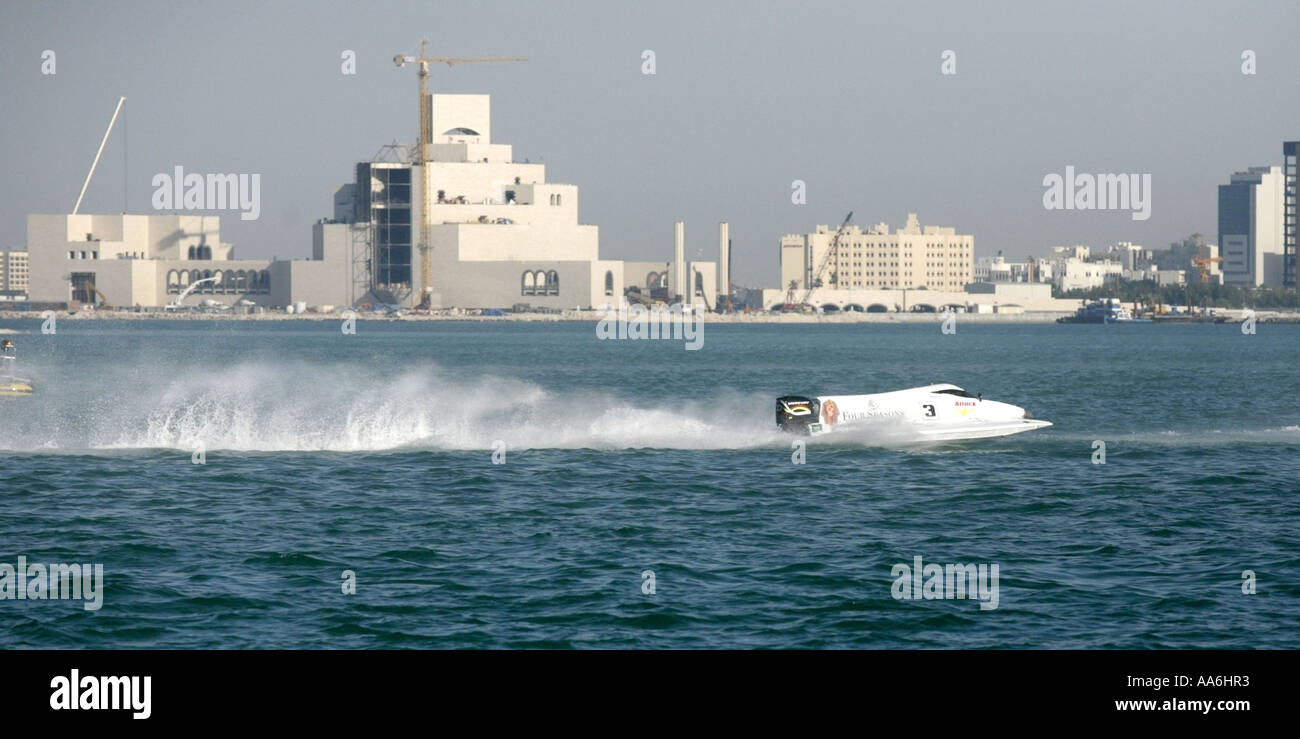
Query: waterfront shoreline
{"x": 564, "y": 317}
{"x": 1036, "y": 317}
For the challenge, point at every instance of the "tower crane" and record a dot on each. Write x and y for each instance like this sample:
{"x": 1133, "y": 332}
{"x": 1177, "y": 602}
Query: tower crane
{"x": 422, "y": 151}
{"x": 1203, "y": 263}
{"x": 831, "y": 253}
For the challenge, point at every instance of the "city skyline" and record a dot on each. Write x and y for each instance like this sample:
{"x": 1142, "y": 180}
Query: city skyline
{"x": 866, "y": 120}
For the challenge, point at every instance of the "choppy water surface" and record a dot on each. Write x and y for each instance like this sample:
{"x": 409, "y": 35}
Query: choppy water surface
{"x": 373, "y": 453}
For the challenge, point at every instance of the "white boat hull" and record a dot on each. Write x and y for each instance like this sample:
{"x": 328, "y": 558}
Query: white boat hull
{"x": 930, "y": 413}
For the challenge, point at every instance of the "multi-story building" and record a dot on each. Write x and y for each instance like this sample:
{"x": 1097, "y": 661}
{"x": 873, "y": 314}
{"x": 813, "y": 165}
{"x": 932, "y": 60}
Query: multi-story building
{"x": 1131, "y": 256}
{"x": 1073, "y": 273}
{"x": 14, "y": 274}
{"x": 500, "y": 233}
{"x": 1250, "y": 227}
{"x": 913, "y": 257}
{"x": 1289, "y": 213}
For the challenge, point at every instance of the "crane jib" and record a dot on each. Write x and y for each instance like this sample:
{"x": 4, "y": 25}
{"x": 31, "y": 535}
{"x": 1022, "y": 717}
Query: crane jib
{"x": 831, "y": 252}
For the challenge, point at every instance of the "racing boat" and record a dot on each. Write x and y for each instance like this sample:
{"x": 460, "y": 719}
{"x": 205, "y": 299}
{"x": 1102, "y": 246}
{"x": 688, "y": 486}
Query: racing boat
{"x": 934, "y": 412}
{"x": 11, "y": 386}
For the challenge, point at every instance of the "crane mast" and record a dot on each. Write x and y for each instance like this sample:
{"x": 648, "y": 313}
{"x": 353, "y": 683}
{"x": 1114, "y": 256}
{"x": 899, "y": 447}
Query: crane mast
{"x": 422, "y": 153}
{"x": 830, "y": 254}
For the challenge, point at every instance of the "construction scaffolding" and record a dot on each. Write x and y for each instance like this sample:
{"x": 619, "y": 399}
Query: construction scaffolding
{"x": 381, "y": 259}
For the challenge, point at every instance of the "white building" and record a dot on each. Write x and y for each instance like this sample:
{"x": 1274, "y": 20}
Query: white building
{"x": 930, "y": 257}
{"x": 998, "y": 269}
{"x": 500, "y": 236}
{"x": 1130, "y": 256}
{"x": 1073, "y": 273}
{"x": 1161, "y": 277}
{"x": 1250, "y": 227}
{"x": 129, "y": 260}
{"x": 500, "y": 233}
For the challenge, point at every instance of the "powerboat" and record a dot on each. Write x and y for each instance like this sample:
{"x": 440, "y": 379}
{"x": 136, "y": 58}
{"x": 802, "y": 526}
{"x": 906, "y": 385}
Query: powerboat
{"x": 11, "y": 386}
{"x": 933, "y": 413}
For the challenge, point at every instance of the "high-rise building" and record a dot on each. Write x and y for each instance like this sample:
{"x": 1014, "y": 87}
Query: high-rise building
{"x": 1289, "y": 225}
{"x": 1250, "y": 227}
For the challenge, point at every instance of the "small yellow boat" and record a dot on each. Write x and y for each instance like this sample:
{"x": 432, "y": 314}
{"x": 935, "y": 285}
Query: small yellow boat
{"x": 11, "y": 386}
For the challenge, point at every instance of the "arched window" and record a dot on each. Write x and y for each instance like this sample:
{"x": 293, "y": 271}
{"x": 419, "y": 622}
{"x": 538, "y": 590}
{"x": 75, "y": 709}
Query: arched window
{"x": 541, "y": 282}
{"x": 266, "y": 281}
{"x": 528, "y": 286}
{"x": 699, "y": 284}
{"x": 173, "y": 282}
{"x": 193, "y": 253}
{"x": 228, "y": 282}
{"x": 559, "y": 199}
{"x": 552, "y": 283}
{"x": 609, "y": 283}
{"x": 205, "y": 252}
{"x": 207, "y": 286}
{"x": 241, "y": 281}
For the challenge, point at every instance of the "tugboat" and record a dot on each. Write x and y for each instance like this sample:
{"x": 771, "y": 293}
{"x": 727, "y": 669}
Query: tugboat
{"x": 11, "y": 386}
{"x": 1108, "y": 310}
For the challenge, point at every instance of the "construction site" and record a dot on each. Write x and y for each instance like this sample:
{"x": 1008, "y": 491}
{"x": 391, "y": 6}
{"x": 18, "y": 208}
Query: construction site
{"x": 453, "y": 221}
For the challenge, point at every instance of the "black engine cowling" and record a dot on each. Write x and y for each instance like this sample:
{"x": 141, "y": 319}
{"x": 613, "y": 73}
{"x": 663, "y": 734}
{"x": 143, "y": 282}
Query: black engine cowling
{"x": 795, "y": 413}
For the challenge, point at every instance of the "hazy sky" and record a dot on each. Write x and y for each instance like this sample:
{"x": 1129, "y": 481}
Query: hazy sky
{"x": 748, "y": 96}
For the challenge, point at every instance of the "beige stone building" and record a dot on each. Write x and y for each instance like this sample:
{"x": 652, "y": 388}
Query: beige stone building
{"x": 501, "y": 235}
{"x": 912, "y": 257}
{"x": 127, "y": 260}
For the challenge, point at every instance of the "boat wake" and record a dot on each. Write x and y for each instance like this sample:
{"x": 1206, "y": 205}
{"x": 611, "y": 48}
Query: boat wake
{"x": 265, "y": 406}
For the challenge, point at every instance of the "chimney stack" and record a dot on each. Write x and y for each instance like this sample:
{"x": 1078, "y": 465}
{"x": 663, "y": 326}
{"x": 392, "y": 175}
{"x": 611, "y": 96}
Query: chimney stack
{"x": 724, "y": 263}
{"x": 679, "y": 264}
